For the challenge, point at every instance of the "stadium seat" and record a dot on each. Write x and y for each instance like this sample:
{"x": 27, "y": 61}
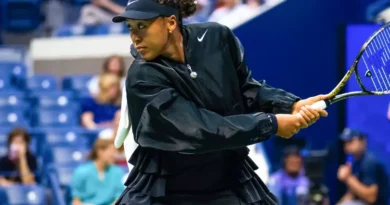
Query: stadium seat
{"x": 11, "y": 98}
{"x": 3, "y": 149}
{"x": 67, "y": 155}
{"x": 17, "y": 73}
{"x": 80, "y": 2}
{"x": 55, "y": 118}
{"x": 13, "y": 118}
{"x": 76, "y": 82}
{"x": 4, "y": 135}
{"x": 65, "y": 173}
{"x": 53, "y": 99}
{"x": 5, "y": 82}
{"x": 42, "y": 83}
{"x": 3, "y": 197}
{"x": 21, "y": 15}
{"x": 105, "y": 29}
{"x": 25, "y": 195}
{"x": 65, "y": 136}
{"x": 70, "y": 30}
{"x": 11, "y": 54}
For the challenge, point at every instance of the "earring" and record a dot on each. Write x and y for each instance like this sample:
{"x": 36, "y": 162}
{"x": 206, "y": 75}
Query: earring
{"x": 170, "y": 31}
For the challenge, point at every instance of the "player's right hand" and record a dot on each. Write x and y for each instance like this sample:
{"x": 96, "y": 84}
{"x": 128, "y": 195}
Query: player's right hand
{"x": 289, "y": 124}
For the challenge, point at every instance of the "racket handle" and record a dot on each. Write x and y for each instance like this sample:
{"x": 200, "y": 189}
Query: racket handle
{"x": 320, "y": 105}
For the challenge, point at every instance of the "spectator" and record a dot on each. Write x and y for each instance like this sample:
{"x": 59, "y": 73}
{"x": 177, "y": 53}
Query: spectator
{"x": 109, "y": 133}
{"x": 99, "y": 112}
{"x": 289, "y": 184}
{"x": 226, "y": 7}
{"x": 19, "y": 164}
{"x": 234, "y": 13}
{"x": 113, "y": 64}
{"x": 378, "y": 11}
{"x": 99, "y": 181}
{"x": 364, "y": 176}
{"x": 100, "y": 12}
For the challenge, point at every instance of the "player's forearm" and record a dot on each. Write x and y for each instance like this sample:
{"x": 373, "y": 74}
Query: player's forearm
{"x": 365, "y": 193}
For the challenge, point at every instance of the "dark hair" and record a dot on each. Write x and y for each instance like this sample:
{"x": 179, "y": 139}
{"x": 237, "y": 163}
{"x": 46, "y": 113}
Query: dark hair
{"x": 100, "y": 144}
{"x": 18, "y": 132}
{"x": 291, "y": 151}
{"x": 121, "y": 62}
{"x": 186, "y": 8}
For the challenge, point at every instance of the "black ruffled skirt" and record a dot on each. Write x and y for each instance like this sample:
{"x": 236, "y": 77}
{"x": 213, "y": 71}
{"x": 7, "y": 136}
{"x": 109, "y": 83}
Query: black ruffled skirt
{"x": 147, "y": 182}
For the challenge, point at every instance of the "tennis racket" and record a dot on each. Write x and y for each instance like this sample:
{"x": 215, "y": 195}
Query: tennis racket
{"x": 371, "y": 68}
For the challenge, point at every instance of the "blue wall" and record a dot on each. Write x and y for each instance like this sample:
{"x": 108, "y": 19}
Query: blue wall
{"x": 299, "y": 46}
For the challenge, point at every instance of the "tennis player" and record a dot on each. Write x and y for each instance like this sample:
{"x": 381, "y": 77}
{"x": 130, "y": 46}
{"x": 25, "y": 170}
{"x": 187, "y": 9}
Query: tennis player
{"x": 194, "y": 108}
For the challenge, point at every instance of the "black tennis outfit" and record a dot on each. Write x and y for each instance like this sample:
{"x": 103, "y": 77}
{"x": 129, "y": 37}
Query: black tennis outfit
{"x": 193, "y": 130}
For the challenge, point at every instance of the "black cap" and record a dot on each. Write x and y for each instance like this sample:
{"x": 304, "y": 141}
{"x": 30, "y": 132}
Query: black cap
{"x": 349, "y": 134}
{"x": 144, "y": 10}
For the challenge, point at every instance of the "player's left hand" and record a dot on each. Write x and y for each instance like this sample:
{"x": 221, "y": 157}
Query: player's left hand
{"x": 309, "y": 101}
{"x": 344, "y": 172}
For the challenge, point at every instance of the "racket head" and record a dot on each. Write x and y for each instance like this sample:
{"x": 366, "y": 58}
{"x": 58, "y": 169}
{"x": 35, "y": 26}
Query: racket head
{"x": 372, "y": 64}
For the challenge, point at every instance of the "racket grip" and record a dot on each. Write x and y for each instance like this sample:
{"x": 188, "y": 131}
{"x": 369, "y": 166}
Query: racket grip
{"x": 320, "y": 105}
{"x": 121, "y": 136}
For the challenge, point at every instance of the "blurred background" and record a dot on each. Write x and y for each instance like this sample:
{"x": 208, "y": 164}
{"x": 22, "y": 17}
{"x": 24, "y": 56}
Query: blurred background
{"x": 62, "y": 61}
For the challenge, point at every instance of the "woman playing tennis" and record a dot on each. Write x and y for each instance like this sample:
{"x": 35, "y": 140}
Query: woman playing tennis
{"x": 195, "y": 108}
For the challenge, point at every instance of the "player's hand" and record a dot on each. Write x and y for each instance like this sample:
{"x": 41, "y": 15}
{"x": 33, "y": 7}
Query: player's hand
{"x": 344, "y": 172}
{"x": 309, "y": 101}
{"x": 288, "y": 125}
{"x": 310, "y": 115}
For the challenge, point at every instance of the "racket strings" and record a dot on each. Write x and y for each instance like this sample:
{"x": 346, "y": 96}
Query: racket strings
{"x": 376, "y": 61}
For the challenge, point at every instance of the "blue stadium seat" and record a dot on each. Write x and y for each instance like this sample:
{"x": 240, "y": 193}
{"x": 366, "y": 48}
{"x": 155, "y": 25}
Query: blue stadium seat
{"x": 13, "y": 118}
{"x": 55, "y": 118}
{"x": 54, "y": 99}
{"x": 25, "y": 195}
{"x": 12, "y": 99}
{"x": 105, "y": 29}
{"x": 21, "y": 15}
{"x": 68, "y": 155}
{"x": 3, "y": 149}
{"x": 90, "y": 30}
{"x": 77, "y": 83}
{"x": 65, "y": 136}
{"x": 80, "y": 2}
{"x": 42, "y": 83}
{"x": 4, "y": 135}
{"x": 11, "y": 54}
{"x": 65, "y": 173}
{"x": 17, "y": 73}
{"x": 70, "y": 30}
{"x": 3, "y": 197}
{"x": 5, "y": 82}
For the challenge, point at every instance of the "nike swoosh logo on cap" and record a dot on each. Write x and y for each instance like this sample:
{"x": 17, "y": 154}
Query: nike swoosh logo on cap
{"x": 131, "y": 2}
{"x": 201, "y": 38}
